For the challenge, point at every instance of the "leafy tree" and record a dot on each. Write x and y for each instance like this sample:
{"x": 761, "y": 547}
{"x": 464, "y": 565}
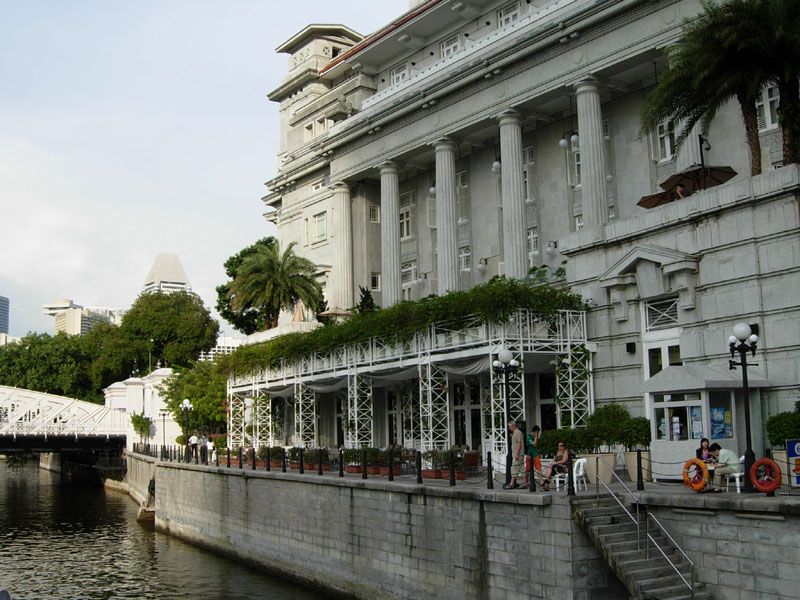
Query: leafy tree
{"x": 141, "y": 425}
{"x": 113, "y": 356}
{"x": 271, "y": 281}
{"x": 366, "y": 303}
{"x": 205, "y": 385}
{"x": 714, "y": 62}
{"x": 247, "y": 319}
{"x": 178, "y": 323}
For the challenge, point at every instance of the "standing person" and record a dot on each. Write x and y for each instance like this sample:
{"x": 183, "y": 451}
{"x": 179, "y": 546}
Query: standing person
{"x": 193, "y": 444}
{"x": 517, "y": 455}
{"x": 532, "y": 455}
{"x": 201, "y": 446}
{"x": 727, "y": 463}
{"x": 210, "y": 449}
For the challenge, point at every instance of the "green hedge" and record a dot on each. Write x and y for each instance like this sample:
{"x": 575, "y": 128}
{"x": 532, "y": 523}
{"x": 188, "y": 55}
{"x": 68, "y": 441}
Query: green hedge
{"x": 492, "y": 302}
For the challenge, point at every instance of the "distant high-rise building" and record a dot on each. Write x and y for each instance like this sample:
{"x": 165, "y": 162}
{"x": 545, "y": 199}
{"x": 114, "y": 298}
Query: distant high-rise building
{"x": 166, "y": 275}
{"x": 74, "y": 319}
{"x": 4, "y": 304}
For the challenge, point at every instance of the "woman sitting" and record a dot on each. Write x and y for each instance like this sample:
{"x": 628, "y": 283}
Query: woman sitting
{"x": 703, "y": 453}
{"x": 559, "y": 464}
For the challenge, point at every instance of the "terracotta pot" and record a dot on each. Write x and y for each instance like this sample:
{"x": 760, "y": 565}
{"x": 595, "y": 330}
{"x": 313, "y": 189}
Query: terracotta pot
{"x": 431, "y": 474}
{"x": 373, "y": 470}
{"x": 353, "y": 469}
{"x": 461, "y": 475}
{"x": 294, "y": 465}
{"x": 276, "y": 464}
{"x": 310, "y": 466}
{"x": 385, "y": 470}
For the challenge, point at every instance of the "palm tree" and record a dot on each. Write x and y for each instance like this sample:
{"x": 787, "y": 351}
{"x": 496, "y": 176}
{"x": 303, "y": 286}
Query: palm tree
{"x": 272, "y": 281}
{"x": 715, "y": 61}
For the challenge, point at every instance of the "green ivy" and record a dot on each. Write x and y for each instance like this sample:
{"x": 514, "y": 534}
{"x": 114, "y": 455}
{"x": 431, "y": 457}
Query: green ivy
{"x": 492, "y": 302}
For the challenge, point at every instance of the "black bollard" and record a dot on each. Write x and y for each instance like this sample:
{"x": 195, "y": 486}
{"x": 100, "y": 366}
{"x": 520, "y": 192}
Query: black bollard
{"x": 341, "y": 462}
{"x": 254, "y": 459}
{"x": 391, "y": 464}
{"x": 531, "y": 478}
{"x": 216, "y": 458}
{"x": 302, "y": 460}
{"x": 452, "y": 468}
{"x": 283, "y": 460}
{"x": 418, "y": 465}
{"x": 196, "y": 455}
{"x": 228, "y": 452}
{"x": 364, "y": 463}
{"x": 240, "y": 457}
{"x": 639, "y": 478}
{"x": 489, "y": 476}
{"x": 319, "y": 456}
{"x": 570, "y": 478}
{"x": 269, "y": 457}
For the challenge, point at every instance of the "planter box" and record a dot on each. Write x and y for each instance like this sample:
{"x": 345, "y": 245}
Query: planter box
{"x": 275, "y": 464}
{"x": 605, "y": 474}
{"x": 374, "y": 470}
{"x": 294, "y": 465}
{"x": 431, "y": 474}
{"x": 630, "y": 463}
{"x": 353, "y": 468}
{"x": 385, "y": 470}
{"x": 461, "y": 475}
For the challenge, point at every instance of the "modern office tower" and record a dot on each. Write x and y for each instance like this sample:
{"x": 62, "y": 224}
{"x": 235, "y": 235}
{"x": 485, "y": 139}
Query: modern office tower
{"x": 166, "y": 275}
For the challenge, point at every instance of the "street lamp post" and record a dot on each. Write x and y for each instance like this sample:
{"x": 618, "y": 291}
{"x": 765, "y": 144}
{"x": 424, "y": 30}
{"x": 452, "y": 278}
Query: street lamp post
{"x": 163, "y": 412}
{"x": 186, "y": 406}
{"x": 507, "y": 365}
{"x": 705, "y": 146}
{"x": 150, "y": 356}
{"x": 743, "y": 341}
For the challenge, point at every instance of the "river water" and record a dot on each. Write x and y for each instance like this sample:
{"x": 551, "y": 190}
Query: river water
{"x": 77, "y": 542}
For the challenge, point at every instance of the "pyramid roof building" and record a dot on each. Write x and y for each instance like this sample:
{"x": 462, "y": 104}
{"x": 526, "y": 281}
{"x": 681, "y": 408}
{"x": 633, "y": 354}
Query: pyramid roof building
{"x": 166, "y": 275}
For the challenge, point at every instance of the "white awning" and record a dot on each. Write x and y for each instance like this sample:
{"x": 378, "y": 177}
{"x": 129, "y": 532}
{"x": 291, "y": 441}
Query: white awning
{"x": 685, "y": 378}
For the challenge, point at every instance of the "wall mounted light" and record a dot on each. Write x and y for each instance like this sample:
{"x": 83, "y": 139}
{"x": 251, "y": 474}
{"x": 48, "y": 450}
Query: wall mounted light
{"x": 496, "y": 166}
{"x": 482, "y": 264}
{"x": 432, "y": 190}
{"x": 422, "y": 278}
{"x": 551, "y": 248}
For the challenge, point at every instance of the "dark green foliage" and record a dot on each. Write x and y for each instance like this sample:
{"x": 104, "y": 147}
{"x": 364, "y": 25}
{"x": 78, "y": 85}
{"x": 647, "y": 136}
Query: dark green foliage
{"x": 491, "y": 302}
{"x": 604, "y": 425}
{"x": 366, "y": 303}
{"x": 141, "y": 425}
{"x": 247, "y": 319}
{"x": 635, "y": 433}
{"x": 575, "y": 440}
{"x": 206, "y": 386}
{"x": 781, "y": 427}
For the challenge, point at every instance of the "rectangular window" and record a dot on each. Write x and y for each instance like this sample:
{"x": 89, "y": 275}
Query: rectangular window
{"x": 666, "y": 140}
{"x": 374, "y": 213}
{"x": 320, "y": 227}
{"x": 408, "y": 272}
{"x": 305, "y": 232}
{"x": 508, "y": 14}
{"x": 578, "y": 222}
{"x": 661, "y": 314}
{"x": 308, "y": 132}
{"x": 431, "y": 213}
{"x": 577, "y": 161}
{"x": 462, "y": 193}
{"x": 767, "y": 106}
{"x": 407, "y": 215}
{"x": 533, "y": 245}
{"x": 528, "y": 182}
{"x": 450, "y": 46}
{"x": 317, "y": 185}
{"x": 375, "y": 282}
{"x": 399, "y": 74}
{"x": 464, "y": 258}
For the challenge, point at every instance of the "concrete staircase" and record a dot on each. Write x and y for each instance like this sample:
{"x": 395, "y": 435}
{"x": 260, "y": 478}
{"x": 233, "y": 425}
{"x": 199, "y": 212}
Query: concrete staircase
{"x": 614, "y": 535}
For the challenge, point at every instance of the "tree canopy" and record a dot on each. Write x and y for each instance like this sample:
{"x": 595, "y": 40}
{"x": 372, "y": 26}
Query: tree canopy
{"x": 270, "y": 281}
{"x": 247, "y": 319}
{"x": 205, "y": 385}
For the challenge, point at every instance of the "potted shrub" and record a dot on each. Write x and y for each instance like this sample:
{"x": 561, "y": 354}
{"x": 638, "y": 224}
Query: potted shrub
{"x": 602, "y": 433}
{"x": 352, "y": 460}
{"x": 276, "y": 457}
{"x": 397, "y": 455}
{"x": 294, "y": 457}
{"x": 635, "y": 434}
{"x": 312, "y": 457}
{"x": 374, "y": 460}
{"x": 781, "y": 427}
{"x": 431, "y": 465}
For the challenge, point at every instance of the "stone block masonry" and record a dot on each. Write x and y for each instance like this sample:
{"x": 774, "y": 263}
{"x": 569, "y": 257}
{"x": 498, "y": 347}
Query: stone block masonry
{"x": 372, "y": 539}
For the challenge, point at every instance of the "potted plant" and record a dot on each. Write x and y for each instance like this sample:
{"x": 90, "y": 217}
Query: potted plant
{"x": 432, "y": 468}
{"x": 294, "y": 457}
{"x": 781, "y": 427}
{"x": 352, "y": 459}
{"x": 602, "y": 433}
{"x": 397, "y": 454}
{"x": 635, "y": 434}
{"x": 276, "y": 457}
{"x": 374, "y": 460}
{"x": 312, "y": 458}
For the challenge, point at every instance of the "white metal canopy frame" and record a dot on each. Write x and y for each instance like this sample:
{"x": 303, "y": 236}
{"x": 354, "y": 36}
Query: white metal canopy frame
{"x": 428, "y": 357}
{"x": 26, "y": 412}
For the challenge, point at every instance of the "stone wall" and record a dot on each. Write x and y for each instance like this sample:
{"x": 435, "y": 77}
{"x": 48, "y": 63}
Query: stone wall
{"x": 141, "y": 469}
{"x": 743, "y": 547}
{"x": 372, "y": 539}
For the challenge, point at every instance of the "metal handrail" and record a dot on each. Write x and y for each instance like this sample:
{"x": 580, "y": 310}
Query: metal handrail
{"x": 688, "y": 584}
{"x": 637, "y": 520}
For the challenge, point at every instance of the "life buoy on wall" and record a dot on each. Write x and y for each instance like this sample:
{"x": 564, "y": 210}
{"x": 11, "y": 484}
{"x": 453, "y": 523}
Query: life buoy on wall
{"x": 699, "y": 479}
{"x": 771, "y": 475}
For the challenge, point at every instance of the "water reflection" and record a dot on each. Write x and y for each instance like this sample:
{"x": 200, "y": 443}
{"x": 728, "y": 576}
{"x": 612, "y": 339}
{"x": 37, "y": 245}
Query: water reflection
{"x": 75, "y": 542}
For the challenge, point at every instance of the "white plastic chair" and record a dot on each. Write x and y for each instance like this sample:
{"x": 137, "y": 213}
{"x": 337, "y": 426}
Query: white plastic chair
{"x": 578, "y": 475}
{"x": 737, "y": 477}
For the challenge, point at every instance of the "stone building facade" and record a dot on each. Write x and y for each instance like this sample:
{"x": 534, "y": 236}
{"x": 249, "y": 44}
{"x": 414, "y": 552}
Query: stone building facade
{"x": 468, "y": 139}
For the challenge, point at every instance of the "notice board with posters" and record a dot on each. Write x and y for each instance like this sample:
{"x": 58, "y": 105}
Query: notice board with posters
{"x": 793, "y": 460}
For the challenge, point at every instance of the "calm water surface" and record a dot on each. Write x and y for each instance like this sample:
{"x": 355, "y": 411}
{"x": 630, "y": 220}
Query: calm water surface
{"x": 75, "y": 542}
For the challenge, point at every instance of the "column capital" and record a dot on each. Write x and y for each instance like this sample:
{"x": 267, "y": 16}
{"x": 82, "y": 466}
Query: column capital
{"x": 444, "y": 143}
{"x": 509, "y": 116}
{"x": 340, "y": 186}
{"x": 588, "y": 83}
{"x": 389, "y": 167}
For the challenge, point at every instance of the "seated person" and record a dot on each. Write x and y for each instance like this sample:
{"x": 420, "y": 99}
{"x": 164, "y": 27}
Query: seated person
{"x": 680, "y": 191}
{"x": 559, "y": 464}
{"x": 703, "y": 453}
{"x": 727, "y": 462}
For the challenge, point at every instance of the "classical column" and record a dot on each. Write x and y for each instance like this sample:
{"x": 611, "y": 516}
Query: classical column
{"x": 515, "y": 252}
{"x": 447, "y": 216}
{"x": 342, "y": 276}
{"x": 593, "y": 173}
{"x": 390, "y": 234}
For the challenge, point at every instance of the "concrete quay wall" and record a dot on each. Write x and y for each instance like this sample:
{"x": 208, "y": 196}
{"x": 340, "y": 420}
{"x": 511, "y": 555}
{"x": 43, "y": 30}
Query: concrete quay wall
{"x": 372, "y": 539}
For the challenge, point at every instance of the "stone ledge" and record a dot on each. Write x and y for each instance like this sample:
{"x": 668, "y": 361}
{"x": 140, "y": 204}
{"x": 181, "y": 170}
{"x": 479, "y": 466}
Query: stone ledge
{"x": 747, "y": 506}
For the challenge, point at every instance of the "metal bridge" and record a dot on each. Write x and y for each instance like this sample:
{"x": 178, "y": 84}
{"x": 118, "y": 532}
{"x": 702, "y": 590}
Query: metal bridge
{"x": 32, "y": 420}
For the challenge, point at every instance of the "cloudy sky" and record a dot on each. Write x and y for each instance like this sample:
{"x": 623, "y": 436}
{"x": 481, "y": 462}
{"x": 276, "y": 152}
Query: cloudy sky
{"x": 133, "y": 127}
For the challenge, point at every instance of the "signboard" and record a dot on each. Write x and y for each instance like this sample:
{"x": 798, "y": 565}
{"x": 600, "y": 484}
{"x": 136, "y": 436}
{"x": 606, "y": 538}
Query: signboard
{"x": 793, "y": 460}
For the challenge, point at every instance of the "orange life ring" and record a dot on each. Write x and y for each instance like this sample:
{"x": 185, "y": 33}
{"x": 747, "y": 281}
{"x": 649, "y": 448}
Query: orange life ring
{"x": 772, "y": 479}
{"x": 695, "y": 481}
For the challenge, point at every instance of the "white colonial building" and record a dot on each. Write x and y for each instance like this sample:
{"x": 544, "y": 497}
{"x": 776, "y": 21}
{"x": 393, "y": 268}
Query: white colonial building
{"x": 467, "y": 139}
